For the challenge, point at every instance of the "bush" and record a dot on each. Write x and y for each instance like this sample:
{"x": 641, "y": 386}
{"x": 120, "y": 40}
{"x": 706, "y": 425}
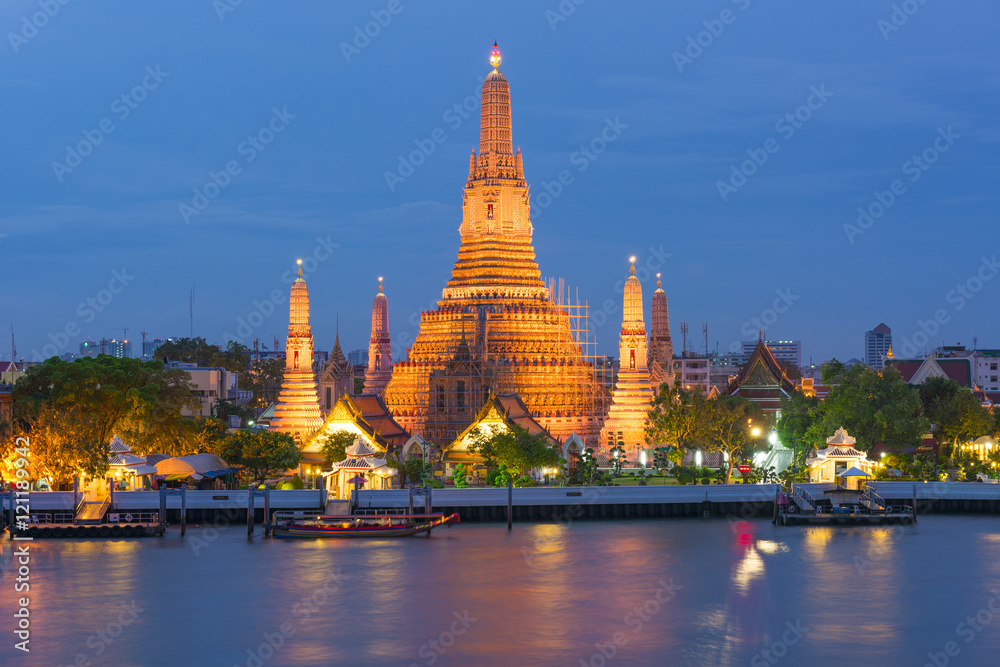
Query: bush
{"x": 434, "y": 484}
{"x": 706, "y": 480}
{"x": 524, "y": 480}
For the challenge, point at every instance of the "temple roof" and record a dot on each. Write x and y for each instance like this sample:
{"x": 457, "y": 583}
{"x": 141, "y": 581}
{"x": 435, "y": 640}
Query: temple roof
{"x": 369, "y": 414}
{"x": 761, "y": 370}
{"x": 917, "y": 371}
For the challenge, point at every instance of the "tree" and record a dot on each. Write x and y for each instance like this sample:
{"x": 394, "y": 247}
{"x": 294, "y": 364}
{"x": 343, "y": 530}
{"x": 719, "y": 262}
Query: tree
{"x": 586, "y": 473}
{"x": 236, "y": 357}
{"x": 798, "y": 413}
{"x": 458, "y": 476}
{"x": 333, "y": 446}
{"x": 874, "y": 407}
{"x": 515, "y": 448}
{"x": 954, "y": 413}
{"x": 676, "y": 417}
{"x": 618, "y": 460}
{"x": 72, "y": 409}
{"x": 261, "y": 452}
{"x": 727, "y": 428}
{"x": 264, "y": 379}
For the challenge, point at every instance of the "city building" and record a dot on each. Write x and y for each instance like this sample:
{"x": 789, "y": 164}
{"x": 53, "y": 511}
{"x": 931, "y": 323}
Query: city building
{"x": 878, "y": 342}
{"x": 694, "y": 372}
{"x": 379, "y": 370}
{"x": 122, "y": 349}
{"x": 212, "y": 384}
{"x": 497, "y": 328}
{"x": 783, "y": 350}
{"x": 626, "y": 422}
{"x": 90, "y": 348}
{"x": 297, "y": 411}
{"x": 985, "y": 364}
{"x": 358, "y": 357}
{"x": 723, "y": 370}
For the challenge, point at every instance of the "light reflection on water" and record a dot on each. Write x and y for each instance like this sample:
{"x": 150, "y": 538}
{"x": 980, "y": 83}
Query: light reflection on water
{"x": 543, "y": 594}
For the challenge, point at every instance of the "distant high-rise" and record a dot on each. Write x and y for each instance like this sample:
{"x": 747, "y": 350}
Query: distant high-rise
{"x": 783, "y": 350}
{"x": 878, "y": 341}
{"x": 149, "y": 347}
{"x": 121, "y": 349}
{"x": 90, "y": 348}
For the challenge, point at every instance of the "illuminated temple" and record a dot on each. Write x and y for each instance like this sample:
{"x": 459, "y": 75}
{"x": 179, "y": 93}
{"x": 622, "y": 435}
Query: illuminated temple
{"x": 496, "y": 330}
{"x": 626, "y": 423}
{"x": 297, "y": 410}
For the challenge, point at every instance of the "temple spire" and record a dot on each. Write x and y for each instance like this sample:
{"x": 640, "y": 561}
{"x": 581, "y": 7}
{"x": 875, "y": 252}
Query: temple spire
{"x": 494, "y": 125}
{"x": 299, "y": 262}
{"x": 495, "y": 56}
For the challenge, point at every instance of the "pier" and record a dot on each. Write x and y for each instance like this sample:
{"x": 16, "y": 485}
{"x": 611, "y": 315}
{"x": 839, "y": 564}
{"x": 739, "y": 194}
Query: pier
{"x": 62, "y": 514}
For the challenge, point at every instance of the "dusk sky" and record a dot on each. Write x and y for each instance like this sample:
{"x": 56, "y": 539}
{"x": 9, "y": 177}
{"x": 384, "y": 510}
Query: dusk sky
{"x": 663, "y": 121}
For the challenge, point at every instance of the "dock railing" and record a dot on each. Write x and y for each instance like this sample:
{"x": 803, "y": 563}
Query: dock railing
{"x": 872, "y": 500}
{"x": 803, "y": 497}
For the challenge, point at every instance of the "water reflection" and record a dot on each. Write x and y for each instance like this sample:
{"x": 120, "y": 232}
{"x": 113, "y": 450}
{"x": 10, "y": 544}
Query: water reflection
{"x": 541, "y": 594}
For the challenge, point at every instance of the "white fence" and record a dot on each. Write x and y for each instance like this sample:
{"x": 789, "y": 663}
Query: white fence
{"x": 563, "y": 495}
{"x": 150, "y": 500}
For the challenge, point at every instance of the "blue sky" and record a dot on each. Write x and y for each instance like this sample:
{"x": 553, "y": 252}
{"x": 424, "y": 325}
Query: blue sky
{"x": 198, "y": 81}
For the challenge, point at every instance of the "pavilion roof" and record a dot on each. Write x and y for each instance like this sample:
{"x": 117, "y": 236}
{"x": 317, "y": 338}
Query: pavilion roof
{"x": 761, "y": 370}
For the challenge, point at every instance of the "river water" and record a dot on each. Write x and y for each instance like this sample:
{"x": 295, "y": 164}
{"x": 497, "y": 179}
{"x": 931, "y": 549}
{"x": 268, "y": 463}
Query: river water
{"x": 676, "y": 592}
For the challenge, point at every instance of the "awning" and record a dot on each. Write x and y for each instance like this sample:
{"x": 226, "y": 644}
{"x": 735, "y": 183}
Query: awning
{"x": 854, "y": 472}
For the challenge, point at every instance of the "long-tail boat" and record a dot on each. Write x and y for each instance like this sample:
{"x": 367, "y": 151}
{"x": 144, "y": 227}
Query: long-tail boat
{"x": 392, "y": 525}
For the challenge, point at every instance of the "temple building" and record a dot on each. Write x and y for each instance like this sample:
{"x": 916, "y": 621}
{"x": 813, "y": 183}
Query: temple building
{"x": 364, "y": 416}
{"x": 626, "y": 423}
{"x": 496, "y": 328}
{"x": 297, "y": 410}
{"x": 762, "y": 379}
{"x": 661, "y": 348}
{"x": 499, "y": 413}
{"x": 337, "y": 377}
{"x": 379, "y": 370}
